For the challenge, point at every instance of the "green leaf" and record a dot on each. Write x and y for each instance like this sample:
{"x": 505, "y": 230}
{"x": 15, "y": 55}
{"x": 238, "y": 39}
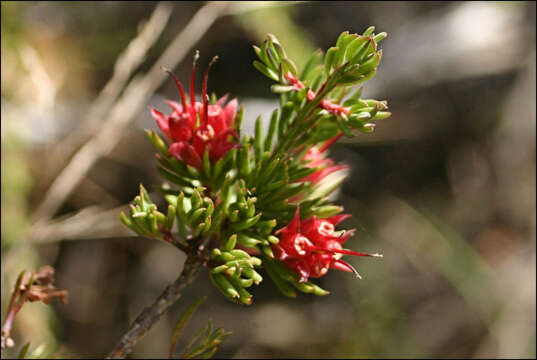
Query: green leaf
{"x": 157, "y": 142}
{"x": 230, "y": 243}
{"x": 258, "y": 144}
{"x": 224, "y": 286}
{"x": 183, "y": 320}
{"x": 280, "y": 89}
{"x": 329, "y": 60}
{"x": 273, "y": 128}
{"x": 260, "y": 54}
{"x": 289, "y": 66}
{"x": 282, "y": 285}
{"x": 266, "y": 71}
{"x": 207, "y": 164}
{"x": 369, "y": 31}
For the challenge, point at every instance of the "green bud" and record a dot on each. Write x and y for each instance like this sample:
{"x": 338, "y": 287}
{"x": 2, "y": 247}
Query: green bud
{"x": 199, "y": 228}
{"x": 268, "y": 251}
{"x": 369, "y": 31}
{"x": 381, "y": 115}
{"x": 196, "y": 199}
{"x": 304, "y": 287}
{"x": 227, "y": 256}
{"x": 234, "y": 216}
{"x": 230, "y": 271}
{"x": 239, "y": 254}
{"x": 328, "y": 210}
{"x": 379, "y": 37}
{"x": 194, "y": 215}
{"x": 245, "y": 224}
{"x": 255, "y": 261}
{"x": 248, "y": 241}
{"x": 273, "y": 239}
{"x": 208, "y": 223}
{"x": 224, "y": 286}
{"x": 215, "y": 253}
{"x": 245, "y": 296}
{"x": 254, "y": 275}
{"x": 319, "y": 291}
{"x": 219, "y": 269}
{"x": 244, "y": 282}
{"x": 230, "y": 243}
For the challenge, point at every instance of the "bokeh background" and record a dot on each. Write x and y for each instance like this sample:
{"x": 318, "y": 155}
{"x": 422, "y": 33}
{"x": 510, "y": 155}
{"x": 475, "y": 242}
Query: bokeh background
{"x": 445, "y": 188}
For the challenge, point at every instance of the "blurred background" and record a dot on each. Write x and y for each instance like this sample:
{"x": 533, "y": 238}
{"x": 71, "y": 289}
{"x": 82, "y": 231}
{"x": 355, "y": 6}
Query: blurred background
{"x": 445, "y": 188}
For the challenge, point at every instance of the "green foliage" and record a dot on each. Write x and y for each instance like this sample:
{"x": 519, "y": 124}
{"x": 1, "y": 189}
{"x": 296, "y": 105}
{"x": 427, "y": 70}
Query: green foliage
{"x": 205, "y": 341}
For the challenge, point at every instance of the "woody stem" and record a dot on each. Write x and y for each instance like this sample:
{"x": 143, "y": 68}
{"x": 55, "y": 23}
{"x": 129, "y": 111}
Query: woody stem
{"x": 151, "y": 314}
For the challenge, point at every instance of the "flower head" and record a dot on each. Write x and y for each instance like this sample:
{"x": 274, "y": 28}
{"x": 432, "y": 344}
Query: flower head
{"x": 193, "y": 126}
{"x": 311, "y": 247}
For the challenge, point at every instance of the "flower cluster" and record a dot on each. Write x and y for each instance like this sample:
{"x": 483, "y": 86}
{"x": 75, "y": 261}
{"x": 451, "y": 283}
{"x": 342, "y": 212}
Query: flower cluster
{"x": 195, "y": 127}
{"x": 241, "y": 202}
{"x": 311, "y": 247}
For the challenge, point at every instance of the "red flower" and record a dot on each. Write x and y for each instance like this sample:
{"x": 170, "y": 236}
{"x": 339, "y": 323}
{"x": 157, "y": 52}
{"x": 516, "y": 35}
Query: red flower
{"x": 316, "y": 157}
{"x": 194, "y": 127}
{"x": 311, "y": 247}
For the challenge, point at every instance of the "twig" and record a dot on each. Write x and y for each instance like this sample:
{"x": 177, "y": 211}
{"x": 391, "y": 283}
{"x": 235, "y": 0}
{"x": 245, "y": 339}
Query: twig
{"x": 151, "y": 314}
{"x": 135, "y": 96}
{"x": 35, "y": 286}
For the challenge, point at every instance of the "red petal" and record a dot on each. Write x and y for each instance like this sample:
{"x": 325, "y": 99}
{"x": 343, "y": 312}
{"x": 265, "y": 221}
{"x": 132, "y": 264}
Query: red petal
{"x": 293, "y": 227}
{"x": 318, "y": 175}
{"x": 344, "y": 266}
{"x": 178, "y": 108}
{"x": 161, "y": 119}
{"x": 220, "y": 102}
{"x": 345, "y": 236}
{"x": 329, "y": 142}
{"x": 176, "y": 148}
{"x": 336, "y": 219}
{"x": 191, "y": 157}
{"x": 180, "y": 130}
{"x": 230, "y": 112}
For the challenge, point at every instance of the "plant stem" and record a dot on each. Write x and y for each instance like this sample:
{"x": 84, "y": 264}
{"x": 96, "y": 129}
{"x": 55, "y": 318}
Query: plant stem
{"x": 151, "y": 314}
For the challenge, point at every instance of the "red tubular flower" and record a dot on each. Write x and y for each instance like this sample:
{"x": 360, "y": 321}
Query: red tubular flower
{"x": 194, "y": 127}
{"x": 316, "y": 157}
{"x": 311, "y": 247}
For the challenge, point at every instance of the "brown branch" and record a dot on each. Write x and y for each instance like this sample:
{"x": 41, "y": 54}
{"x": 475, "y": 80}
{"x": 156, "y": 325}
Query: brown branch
{"x": 151, "y": 314}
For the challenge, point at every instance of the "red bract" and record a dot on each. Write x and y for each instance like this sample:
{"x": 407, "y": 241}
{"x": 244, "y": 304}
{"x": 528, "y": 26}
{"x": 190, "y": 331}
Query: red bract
{"x": 194, "y": 127}
{"x": 311, "y": 247}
